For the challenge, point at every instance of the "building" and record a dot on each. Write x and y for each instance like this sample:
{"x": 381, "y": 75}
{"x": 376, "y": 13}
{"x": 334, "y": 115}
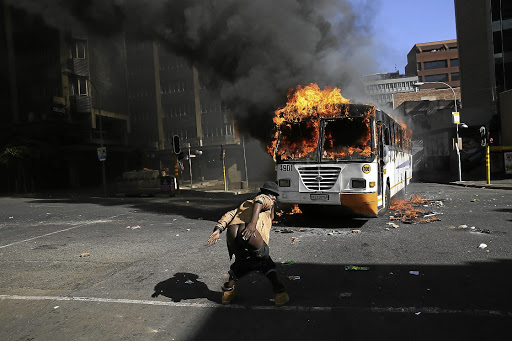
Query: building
{"x": 169, "y": 97}
{"x": 434, "y": 62}
{"x": 64, "y": 96}
{"x": 381, "y": 87}
{"x": 485, "y": 50}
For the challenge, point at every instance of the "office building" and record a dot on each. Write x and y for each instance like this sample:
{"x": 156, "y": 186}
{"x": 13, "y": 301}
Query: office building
{"x": 484, "y": 33}
{"x": 434, "y": 62}
{"x": 381, "y": 87}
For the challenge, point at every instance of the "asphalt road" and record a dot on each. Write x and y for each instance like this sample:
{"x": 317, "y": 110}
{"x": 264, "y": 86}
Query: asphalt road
{"x": 423, "y": 282}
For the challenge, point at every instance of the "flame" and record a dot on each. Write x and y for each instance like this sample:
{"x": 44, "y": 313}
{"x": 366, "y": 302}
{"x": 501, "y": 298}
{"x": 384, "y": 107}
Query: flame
{"x": 408, "y": 211}
{"x": 306, "y": 105}
{"x": 295, "y": 210}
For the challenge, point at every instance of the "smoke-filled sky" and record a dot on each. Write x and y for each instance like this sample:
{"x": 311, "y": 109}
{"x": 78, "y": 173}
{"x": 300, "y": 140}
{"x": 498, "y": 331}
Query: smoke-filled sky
{"x": 260, "y": 49}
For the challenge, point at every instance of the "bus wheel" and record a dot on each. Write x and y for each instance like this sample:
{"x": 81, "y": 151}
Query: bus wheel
{"x": 387, "y": 198}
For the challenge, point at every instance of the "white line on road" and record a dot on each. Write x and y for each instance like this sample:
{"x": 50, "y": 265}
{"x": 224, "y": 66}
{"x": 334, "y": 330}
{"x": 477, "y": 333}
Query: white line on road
{"x": 64, "y": 230}
{"x": 404, "y": 310}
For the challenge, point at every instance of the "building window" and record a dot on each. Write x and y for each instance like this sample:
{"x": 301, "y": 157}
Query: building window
{"x": 436, "y": 64}
{"x": 79, "y": 86}
{"x": 455, "y": 76}
{"x": 436, "y": 78}
{"x": 454, "y": 62}
{"x": 77, "y": 49}
{"x": 419, "y": 65}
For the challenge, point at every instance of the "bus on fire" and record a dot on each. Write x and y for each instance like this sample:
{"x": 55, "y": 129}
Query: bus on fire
{"x": 350, "y": 156}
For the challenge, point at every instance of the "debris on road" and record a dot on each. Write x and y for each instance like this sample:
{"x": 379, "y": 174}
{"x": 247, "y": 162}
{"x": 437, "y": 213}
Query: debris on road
{"x": 288, "y": 262}
{"x": 284, "y": 231}
{"x": 136, "y": 227}
{"x": 414, "y": 272}
{"x": 393, "y": 225}
{"x": 356, "y": 231}
{"x": 345, "y": 295}
{"x": 482, "y": 246}
{"x": 85, "y": 254}
{"x": 356, "y": 268}
{"x": 188, "y": 281}
{"x": 293, "y": 278}
{"x": 294, "y": 240}
{"x": 408, "y": 211}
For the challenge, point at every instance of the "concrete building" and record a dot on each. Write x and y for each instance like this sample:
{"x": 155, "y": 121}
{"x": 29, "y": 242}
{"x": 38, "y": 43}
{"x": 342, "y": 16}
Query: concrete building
{"x": 168, "y": 97}
{"x": 381, "y": 87}
{"x": 59, "y": 89}
{"x": 484, "y": 32}
{"x": 434, "y": 62}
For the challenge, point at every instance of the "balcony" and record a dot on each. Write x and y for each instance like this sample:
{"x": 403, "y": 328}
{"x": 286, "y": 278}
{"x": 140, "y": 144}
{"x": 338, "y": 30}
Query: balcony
{"x": 80, "y": 104}
{"x": 79, "y": 66}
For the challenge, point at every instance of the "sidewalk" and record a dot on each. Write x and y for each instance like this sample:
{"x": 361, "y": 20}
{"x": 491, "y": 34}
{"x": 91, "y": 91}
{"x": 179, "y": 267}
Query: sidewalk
{"x": 495, "y": 184}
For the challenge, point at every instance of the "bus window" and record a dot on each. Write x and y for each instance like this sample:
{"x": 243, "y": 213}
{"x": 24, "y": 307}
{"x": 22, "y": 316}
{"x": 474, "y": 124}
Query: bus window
{"x": 387, "y": 139}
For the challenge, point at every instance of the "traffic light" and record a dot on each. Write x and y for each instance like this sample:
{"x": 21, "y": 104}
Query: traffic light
{"x": 483, "y": 136}
{"x": 176, "y": 144}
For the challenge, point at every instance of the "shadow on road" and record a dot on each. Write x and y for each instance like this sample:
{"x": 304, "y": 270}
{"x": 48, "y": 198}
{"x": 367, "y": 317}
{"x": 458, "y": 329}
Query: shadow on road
{"x": 386, "y": 302}
{"x": 184, "y": 285}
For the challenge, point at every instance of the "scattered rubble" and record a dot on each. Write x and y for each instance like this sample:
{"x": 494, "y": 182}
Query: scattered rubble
{"x": 409, "y": 211}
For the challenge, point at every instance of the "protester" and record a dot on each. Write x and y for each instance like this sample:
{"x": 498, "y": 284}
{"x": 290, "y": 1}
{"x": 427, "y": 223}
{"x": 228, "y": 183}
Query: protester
{"x": 248, "y": 233}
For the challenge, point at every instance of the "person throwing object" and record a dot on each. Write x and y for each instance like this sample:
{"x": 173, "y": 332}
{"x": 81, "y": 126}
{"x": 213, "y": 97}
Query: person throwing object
{"x": 248, "y": 234}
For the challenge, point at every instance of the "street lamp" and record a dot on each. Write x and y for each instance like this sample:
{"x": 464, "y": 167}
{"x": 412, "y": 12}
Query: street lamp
{"x": 463, "y": 125}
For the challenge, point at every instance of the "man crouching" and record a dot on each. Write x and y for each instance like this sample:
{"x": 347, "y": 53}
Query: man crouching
{"x": 248, "y": 234}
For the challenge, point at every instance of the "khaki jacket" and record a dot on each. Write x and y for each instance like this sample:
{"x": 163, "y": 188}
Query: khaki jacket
{"x": 243, "y": 214}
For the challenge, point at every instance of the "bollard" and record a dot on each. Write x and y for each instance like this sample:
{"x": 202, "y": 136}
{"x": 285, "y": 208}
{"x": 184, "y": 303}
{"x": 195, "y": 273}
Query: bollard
{"x": 488, "y": 164}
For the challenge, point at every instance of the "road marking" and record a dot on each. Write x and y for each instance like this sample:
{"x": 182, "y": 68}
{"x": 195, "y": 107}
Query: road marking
{"x": 64, "y": 230}
{"x": 403, "y": 310}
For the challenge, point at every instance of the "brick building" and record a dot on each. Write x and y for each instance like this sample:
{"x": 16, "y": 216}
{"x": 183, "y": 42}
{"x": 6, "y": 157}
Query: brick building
{"x": 434, "y": 62}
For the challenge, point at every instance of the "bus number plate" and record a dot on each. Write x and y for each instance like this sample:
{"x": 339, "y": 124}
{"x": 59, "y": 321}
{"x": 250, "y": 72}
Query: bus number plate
{"x": 324, "y": 197}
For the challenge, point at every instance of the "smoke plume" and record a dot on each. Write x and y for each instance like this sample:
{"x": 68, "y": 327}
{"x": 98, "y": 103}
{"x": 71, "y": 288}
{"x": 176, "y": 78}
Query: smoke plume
{"x": 259, "y": 49}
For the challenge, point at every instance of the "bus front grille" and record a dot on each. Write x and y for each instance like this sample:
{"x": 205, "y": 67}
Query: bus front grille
{"x": 319, "y": 178}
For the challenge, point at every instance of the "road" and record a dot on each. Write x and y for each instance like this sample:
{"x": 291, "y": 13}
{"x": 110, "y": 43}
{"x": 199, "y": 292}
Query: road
{"x": 423, "y": 282}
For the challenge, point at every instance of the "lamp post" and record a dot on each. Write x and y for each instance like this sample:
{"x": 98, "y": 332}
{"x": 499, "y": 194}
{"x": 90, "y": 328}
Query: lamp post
{"x": 103, "y": 169}
{"x": 463, "y": 125}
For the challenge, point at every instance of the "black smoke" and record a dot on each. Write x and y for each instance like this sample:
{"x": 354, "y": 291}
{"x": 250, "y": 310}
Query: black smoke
{"x": 258, "y": 48}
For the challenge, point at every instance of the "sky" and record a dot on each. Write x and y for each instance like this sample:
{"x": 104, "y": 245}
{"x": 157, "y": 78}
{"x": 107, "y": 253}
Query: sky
{"x": 399, "y": 24}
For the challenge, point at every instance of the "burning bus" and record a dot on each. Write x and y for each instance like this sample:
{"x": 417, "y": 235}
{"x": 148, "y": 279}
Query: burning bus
{"x": 329, "y": 151}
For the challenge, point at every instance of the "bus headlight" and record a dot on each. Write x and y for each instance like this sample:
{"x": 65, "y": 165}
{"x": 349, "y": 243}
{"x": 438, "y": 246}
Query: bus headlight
{"x": 358, "y": 183}
{"x": 284, "y": 182}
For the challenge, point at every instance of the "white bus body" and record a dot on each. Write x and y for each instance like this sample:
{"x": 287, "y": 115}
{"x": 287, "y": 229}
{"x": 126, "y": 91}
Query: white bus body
{"x": 361, "y": 186}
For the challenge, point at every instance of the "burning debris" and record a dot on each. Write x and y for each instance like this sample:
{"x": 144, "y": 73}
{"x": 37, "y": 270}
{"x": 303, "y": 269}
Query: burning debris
{"x": 409, "y": 211}
{"x": 298, "y": 126}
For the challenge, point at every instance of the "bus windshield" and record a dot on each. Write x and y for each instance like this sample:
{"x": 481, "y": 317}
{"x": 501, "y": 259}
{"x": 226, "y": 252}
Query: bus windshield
{"x": 347, "y": 138}
{"x": 298, "y": 141}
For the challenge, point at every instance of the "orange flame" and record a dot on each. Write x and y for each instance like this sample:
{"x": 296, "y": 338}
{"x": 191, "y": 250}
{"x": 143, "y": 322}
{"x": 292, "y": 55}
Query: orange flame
{"x": 307, "y": 104}
{"x": 295, "y": 210}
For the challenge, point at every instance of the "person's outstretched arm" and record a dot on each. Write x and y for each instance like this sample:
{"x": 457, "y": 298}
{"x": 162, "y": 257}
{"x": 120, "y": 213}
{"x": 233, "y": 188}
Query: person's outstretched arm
{"x": 221, "y": 226}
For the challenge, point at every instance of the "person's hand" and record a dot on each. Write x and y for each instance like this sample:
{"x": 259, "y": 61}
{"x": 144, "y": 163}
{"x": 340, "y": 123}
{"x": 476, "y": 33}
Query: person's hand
{"x": 214, "y": 237}
{"x": 249, "y": 231}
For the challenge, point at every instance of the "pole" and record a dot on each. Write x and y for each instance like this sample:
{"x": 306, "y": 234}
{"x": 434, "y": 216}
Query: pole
{"x": 103, "y": 167}
{"x": 190, "y": 166}
{"x": 488, "y": 163}
{"x": 458, "y": 153}
{"x": 177, "y": 173}
{"x": 245, "y": 163}
{"x": 224, "y": 169}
